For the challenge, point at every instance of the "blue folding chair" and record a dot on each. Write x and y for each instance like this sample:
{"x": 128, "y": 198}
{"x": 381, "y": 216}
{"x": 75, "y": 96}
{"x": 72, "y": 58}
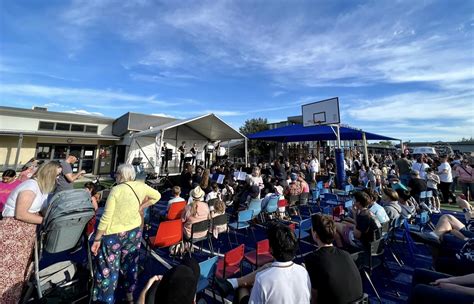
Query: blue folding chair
{"x": 206, "y": 277}
{"x": 407, "y": 238}
{"x": 303, "y": 227}
{"x": 329, "y": 199}
{"x": 272, "y": 206}
{"x": 256, "y": 206}
{"x": 243, "y": 219}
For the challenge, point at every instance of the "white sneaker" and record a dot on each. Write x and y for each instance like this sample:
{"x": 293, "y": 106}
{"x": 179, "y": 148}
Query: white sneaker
{"x": 436, "y": 211}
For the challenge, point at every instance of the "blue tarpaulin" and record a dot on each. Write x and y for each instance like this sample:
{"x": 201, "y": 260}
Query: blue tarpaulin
{"x": 296, "y": 133}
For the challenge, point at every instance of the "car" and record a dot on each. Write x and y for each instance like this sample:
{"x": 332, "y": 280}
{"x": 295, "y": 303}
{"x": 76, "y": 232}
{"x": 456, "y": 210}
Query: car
{"x": 430, "y": 151}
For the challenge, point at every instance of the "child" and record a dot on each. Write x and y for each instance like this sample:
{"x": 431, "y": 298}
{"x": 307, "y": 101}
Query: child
{"x": 432, "y": 181}
{"x": 95, "y": 196}
{"x": 218, "y": 209}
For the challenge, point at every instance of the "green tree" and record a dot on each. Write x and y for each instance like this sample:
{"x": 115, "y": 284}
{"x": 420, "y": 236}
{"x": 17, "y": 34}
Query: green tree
{"x": 256, "y": 148}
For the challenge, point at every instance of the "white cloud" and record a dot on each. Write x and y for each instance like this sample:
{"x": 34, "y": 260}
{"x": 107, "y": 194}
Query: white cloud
{"x": 163, "y": 115}
{"x": 84, "y": 112}
{"x": 65, "y": 95}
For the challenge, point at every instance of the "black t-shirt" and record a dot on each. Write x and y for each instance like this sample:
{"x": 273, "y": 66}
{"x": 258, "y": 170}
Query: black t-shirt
{"x": 334, "y": 275}
{"x": 368, "y": 225}
{"x": 417, "y": 185}
{"x": 181, "y": 150}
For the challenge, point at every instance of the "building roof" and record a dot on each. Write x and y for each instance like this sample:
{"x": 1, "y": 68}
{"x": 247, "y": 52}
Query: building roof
{"x": 208, "y": 126}
{"x": 54, "y": 115}
{"x": 59, "y": 134}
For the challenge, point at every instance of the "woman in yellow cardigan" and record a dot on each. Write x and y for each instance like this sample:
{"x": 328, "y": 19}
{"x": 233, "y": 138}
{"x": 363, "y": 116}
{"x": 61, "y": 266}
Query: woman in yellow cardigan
{"x": 118, "y": 237}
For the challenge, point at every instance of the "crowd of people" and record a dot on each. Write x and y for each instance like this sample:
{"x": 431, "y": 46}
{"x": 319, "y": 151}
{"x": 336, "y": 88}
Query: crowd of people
{"x": 390, "y": 188}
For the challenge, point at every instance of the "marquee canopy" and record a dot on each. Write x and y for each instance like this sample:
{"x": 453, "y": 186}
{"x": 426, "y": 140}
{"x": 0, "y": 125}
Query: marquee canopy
{"x": 297, "y": 133}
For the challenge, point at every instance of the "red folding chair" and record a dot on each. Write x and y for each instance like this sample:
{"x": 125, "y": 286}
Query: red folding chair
{"x": 169, "y": 233}
{"x": 231, "y": 264}
{"x": 175, "y": 211}
{"x": 261, "y": 255}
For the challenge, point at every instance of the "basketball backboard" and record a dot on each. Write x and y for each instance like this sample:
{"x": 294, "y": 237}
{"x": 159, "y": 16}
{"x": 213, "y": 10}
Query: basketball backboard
{"x": 324, "y": 112}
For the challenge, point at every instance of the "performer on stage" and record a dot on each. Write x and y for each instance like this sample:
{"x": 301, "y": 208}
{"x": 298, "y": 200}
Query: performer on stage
{"x": 220, "y": 153}
{"x": 194, "y": 152}
{"x": 164, "y": 157}
{"x": 209, "y": 150}
{"x": 181, "y": 150}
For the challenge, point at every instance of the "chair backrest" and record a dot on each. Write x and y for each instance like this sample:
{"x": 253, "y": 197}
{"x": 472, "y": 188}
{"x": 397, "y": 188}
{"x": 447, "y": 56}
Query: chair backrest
{"x": 338, "y": 211}
{"x": 208, "y": 268}
{"x": 169, "y": 233}
{"x": 424, "y": 217}
{"x": 327, "y": 210}
{"x": 256, "y": 206}
{"x": 348, "y": 188}
{"x": 175, "y": 211}
{"x": 245, "y": 215}
{"x": 282, "y": 203}
{"x": 200, "y": 227}
{"x": 329, "y": 197}
{"x": 220, "y": 220}
{"x": 305, "y": 225}
{"x": 263, "y": 247}
{"x": 234, "y": 256}
{"x": 272, "y": 205}
{"x": 304, "y": 198}
{"x": 324, "y": 191}
{"x": 320, "y": 185}
{"x": 315, "y": 194}
{"x": 377, "y": 247}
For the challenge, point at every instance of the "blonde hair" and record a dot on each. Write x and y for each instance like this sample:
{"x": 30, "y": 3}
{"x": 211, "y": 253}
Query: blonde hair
{"x": 219, "y": 207}
{"x": 205, "y": 179}
{"x": 194, "y": 206}
{"x": 125, "y": 173}
{"x": 46, "y": 176}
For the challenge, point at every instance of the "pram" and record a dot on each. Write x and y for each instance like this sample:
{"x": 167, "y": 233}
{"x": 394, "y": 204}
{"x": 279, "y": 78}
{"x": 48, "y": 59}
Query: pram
{"x": 63, "y": 225}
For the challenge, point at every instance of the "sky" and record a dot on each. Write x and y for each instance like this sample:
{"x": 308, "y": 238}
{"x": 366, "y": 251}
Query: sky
{"x": 400, "y": 68}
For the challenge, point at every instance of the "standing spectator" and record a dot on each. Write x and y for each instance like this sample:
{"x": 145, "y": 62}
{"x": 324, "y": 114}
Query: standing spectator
{"x": 186, "y": 180}
{"x": 28, "y": 170}
{"x": 432, "y": 182}
{"x": 95, "y": 197}
{"x": 7, "y": 185}
{"x": 334, "y": 275}
{"x": 420, "y": 166}
{"x": 18, "y": 229}
{"x": 181, "y": 151}
{"x": 404, "y": 169}
{"x": 118, "y": 238}
{"x": 465, "y": 175}
{"x": 255, "y": 179}
{"x": 66, "y": 178}
{"x": 416, "y": 185}
{"x": 446, "y": 178}
{"x": 314, "y": 168}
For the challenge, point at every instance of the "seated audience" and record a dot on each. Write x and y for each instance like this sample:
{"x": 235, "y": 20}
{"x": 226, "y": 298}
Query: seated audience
{"x": 365, "y": 229}
{"x": 390, "y": 203}
{"x": 7, "y": 185}
{"x": 216, "y": 210}
{"x": 447, "y": 223}
{"x": 375, "y": 208}
{"x": 176, "y": 192}
{"x": 408, "y": 204}
{"x": 177, "y": 286}
{"x": 334, "y": 275}
{"x": 277, "y": 193}
{"x": 295, "y": 186}
{"x": 215, "y": 192}
{"x": 270, "y": 282}
{"x": 195, "y": 212}
{"x": 434, "y": 287}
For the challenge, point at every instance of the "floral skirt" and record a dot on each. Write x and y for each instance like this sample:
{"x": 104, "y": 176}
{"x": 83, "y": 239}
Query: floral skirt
{"x": 16, "y": 248}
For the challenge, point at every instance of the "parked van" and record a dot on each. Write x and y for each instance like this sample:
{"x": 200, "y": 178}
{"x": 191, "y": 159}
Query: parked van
{"x": 430, "y": 151}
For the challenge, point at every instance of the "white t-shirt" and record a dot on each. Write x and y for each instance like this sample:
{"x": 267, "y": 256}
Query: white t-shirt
{"x": 421, "y": 168}
{"x": 314, "y": 166}
{"x": 282, "y": 283}
{"x": 445, "y": 177}
{"x": 31, "y": 185}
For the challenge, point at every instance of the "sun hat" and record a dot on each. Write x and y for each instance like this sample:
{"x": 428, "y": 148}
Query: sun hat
{"x": 197, "y": 193}
{"x": 279, "y": 190}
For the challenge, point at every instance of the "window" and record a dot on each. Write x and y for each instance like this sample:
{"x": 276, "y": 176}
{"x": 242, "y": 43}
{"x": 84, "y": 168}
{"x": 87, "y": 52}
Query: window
{"x": 77, "y": 128}
{"x": 91, "y": 129}
{"x": 46, "y": 125}
{"x": 43, "y": 151}
{"x": 60, "y": 152}
{"x": 62, "y": 127}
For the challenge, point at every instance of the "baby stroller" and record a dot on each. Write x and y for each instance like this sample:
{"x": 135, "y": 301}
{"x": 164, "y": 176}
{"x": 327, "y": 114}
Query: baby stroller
{"x": 63, "y": 225}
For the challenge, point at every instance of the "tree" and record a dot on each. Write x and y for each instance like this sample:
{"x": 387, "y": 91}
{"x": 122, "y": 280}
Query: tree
{"x": 256, "y": 148}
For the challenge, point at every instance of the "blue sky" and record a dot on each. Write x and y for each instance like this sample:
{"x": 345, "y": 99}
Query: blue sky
{"x": 400, "y": 68}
